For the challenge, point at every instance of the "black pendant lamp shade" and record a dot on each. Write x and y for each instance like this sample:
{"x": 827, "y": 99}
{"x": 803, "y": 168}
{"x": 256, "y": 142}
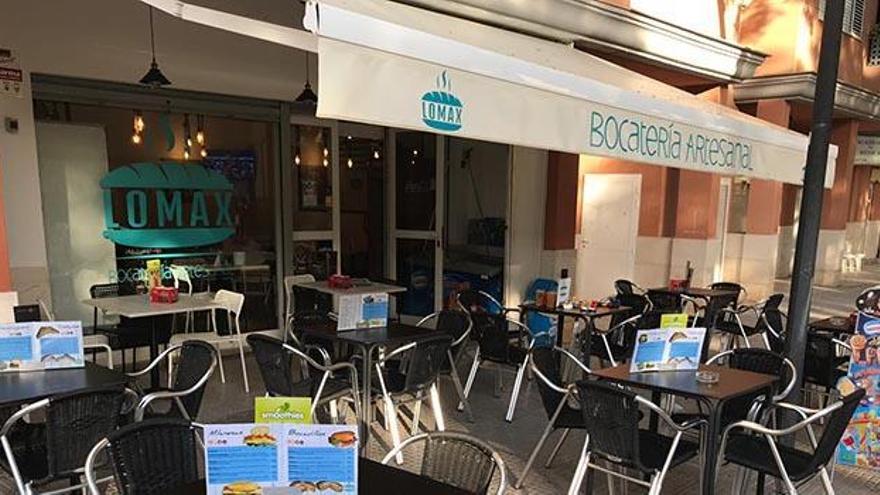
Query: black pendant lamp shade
{"x": 154, "y": 77}
{"x": 307, "y": 98}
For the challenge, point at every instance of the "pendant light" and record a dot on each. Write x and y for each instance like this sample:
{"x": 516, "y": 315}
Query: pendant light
{"x": 307, "y": 97}
{"x": 154, "y": 77}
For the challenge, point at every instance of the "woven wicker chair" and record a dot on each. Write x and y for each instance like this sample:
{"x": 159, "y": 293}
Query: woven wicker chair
{"x": 150, "y": 457}
{"x": 56, "y": 450}
{"x": 196, "y": 364}
{"x": 458, "y": 460}
{"x": 325, "y": 383}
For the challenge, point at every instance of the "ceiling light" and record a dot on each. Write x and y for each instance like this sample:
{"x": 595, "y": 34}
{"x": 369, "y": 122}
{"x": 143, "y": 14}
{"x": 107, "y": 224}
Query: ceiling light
{"x": 154, "y": 77}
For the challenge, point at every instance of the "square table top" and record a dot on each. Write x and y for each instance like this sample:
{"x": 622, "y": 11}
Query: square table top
{"x": 358, "y": 288}
{"x": 731, "y": 382}
{"x": 139, "y": 305}
{"x": 834, "y": 324}
{"x": 599, "y": 312}
{"x": 701, "y": 292}
{"x": 394, "y": 333}
{"x": 29, "y": 386}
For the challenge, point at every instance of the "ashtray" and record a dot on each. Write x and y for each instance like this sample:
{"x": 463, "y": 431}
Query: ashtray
{"x": 708, "y": 377}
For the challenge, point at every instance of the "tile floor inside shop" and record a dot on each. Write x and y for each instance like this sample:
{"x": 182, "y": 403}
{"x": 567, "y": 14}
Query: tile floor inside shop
{"x": 228, "y": 403}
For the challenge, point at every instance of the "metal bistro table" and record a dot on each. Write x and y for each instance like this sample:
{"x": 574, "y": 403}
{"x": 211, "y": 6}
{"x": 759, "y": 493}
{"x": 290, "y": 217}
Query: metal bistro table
{"x": 732, "y": 383}
{"x": 139, "y": 306}
{"x": 836, "y": 325}
{"x": 373, "y": 479}
{"x": 20, "y": 387}
{"x": 589, "y": 317}
{"x": 368, "y": 340}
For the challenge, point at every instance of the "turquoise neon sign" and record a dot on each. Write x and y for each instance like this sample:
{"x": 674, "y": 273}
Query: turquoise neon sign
{"x": 441, "y": 110}
{"x": 167, "y": 205}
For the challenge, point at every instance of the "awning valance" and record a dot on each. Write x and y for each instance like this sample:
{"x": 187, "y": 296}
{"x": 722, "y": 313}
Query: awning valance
{"x": 389, "y": 64}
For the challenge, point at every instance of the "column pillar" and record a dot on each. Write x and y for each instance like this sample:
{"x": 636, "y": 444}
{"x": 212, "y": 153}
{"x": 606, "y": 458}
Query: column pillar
{"x": 561, "y": 210}
{"x": 835, "y": 207}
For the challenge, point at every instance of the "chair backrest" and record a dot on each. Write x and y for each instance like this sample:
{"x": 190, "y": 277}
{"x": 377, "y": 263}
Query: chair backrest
{"x": 547, "y": 362}
{"x": 731, "y": 286}
{"x": 425, "y": 363}
{"x": 180, "y": 274}
{"x": 771, "y": 322}
{"x": 275, "y": 363}
{"x": 197, "y": 358}
{"x": 755, "y": 360}
{"x": 75, "y": 422}
{"x": 712, "y": 311}
{"x": 665, "y": 301}
{"x": 493, "y": 336}
{"x": 453, "y": 322}
{"x": 26, "y": 312}
{"x": 835, "y": 426}
{"x": 290, "y": 290}
{"x": 624, "y": 287}
{"x": 611, "y": 417}
{"x": 154, "y": 456}
{"x": 458, "y": 460}
{"x": 99, "y": 291}
{"x": 474, "y": 302}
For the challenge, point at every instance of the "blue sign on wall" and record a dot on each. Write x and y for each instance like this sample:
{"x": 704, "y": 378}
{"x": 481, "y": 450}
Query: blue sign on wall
{"x": 167, "y": 205}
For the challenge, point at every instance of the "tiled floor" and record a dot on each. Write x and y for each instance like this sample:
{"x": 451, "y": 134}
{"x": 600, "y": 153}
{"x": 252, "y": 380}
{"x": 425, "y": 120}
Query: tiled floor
{"x": 228, "y": 403}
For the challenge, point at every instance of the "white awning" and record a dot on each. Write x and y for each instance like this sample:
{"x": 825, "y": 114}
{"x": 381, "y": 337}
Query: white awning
{"x": 389, "y": 64}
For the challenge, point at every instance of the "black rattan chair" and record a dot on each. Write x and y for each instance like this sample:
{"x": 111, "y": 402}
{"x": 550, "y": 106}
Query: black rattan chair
{"x": 756, "y": 447}
{"x": 458, "y": 460}
{"x": 546, "y": 364}
{"x": 149, "y": 458}
{"x": 196, "y": 364}
{"x": 617, "y": 343}
{"x": 457, "y": 325}
{"x": 627, "y": 287}
{"x": 664, "y": 301}
{"x": 824, "y": 363}
{"x": 413, "y": 379}
{"x": 290, "y": 372}
{"x": 56, "y": 449}
{"x": 611, "y": 416}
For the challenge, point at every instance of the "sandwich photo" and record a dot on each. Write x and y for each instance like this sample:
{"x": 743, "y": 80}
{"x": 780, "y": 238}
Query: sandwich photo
{"x": 342, "y": 439}
{"x": 303, "y": 486}
{"x": 259, "y": 437}
{"x": 332, "y": 486}
{"x": 242, "y": 488}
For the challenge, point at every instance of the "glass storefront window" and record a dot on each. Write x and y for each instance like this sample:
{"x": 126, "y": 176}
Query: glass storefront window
{"x": 362, "y": 198}
{"x": 312, "y": 178}
{"x": 416, "y": 180}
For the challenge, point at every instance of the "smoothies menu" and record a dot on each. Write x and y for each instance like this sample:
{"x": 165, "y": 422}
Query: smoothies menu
{"x": 281, "y": 459}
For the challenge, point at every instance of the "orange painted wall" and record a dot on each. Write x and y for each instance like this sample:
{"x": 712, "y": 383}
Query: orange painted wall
{"x": 836, "y": 205}
{"x": 652, "y": 205}
{"x": 860, "y": 194}
{"x": 790, "y": 31}
{"x": 697, "y": 205}
{"x": 5, "y": 274}
{"x": 789, "y": 204}
{"x": 562, "y": 196}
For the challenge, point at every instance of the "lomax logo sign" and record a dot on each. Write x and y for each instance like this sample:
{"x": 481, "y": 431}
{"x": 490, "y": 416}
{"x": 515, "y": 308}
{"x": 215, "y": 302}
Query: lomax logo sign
{"x": 166, "y": 205}
{"x": 442, "y": 110}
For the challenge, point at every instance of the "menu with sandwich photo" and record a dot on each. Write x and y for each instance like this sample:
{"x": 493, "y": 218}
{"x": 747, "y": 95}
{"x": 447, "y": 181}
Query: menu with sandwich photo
{"x": 667, "y": 349}
{"x": 280, "y": 459}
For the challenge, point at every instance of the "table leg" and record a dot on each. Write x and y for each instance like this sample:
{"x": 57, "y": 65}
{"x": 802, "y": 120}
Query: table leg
{"x": 366, "y": 406}
{"x": 560, "y": 330}
{"x": 654, "y": 419}
{"x": 154, "y": 352}
{"x": 710, "y": 448}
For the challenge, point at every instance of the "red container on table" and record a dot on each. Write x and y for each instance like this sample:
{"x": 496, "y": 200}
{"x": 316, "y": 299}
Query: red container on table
{"x": 339, "y": 281}
{"x": 166, "y": 295}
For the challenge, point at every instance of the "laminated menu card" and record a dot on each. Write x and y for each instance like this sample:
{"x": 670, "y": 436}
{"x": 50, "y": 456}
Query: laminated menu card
{"x": 667, "y": 349}
{"x": 41, "y": 345}
{"x": 281, "y": 459}
{"x": 363, "y": 311}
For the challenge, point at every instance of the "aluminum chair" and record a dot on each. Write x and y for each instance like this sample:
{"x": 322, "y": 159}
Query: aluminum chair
{"x": 458, "y": 325}
{"x": 56, "y": 450}
{"x": 232, "y": 304}
{"x": 732, "y": 323}
{"x": 825, "y": 362}
{"x": 545, "y": 363}
{"x": 757, "y": 447}
{"x": 196, "y": 363}
{"x": 459, "y": 460}
{"x": 277, "y": 362}
{"x": 153, "y": 456}
{"x": 619, "y": 340}
{"x": 611, "y": 416}
{"x": 290, "y": 283}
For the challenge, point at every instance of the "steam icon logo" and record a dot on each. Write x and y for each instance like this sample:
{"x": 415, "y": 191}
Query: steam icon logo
{"x": 441, "y": 110}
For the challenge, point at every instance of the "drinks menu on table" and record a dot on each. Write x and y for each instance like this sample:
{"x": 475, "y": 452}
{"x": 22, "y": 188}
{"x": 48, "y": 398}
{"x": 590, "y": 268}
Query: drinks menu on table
{"x": 667, "y": 349}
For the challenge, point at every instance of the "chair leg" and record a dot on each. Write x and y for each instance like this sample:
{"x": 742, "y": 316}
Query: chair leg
{"x": 522, "y": 478}
{"x": 826, "y": 482}
{"x": 334, "y": 412}
{"x": 738, "y": 480}
{"x": 557, "y": 447}
{"x": 391, "y": 417}
{"x": 470, "y": 381}
{"x": 514, "y": 396}
{"x": 456, "y": 382}
{"x": 220, "y": 365}
{"x": 247, "y": 387}
{"x": 580, "y": 471}
{"x": 437, "y": 408}
{"x": 655, "y": 485}
{"x": 417, "y": 412}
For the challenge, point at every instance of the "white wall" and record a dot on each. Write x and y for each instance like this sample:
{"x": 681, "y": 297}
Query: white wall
{"x": 528, "y": 190}
{"x": 698, "y": 15}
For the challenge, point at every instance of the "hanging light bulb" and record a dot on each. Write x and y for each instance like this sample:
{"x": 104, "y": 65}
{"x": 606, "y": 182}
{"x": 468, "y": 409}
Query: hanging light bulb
{"x": 200, "y": 137}
{"x": 376, "y": 154}
{"x": 350, "y": 163}
{"x": 186, "y": 154}
{"x": 204, "y": 153}
{"x": 200, "y": 130}
{"x": 136, "y": 138}
{"x": 326, "y": 152}
{"x": 139, "y": 122}
{"x": 326, "y": 162}
{"x": 415, "y": 152}
{"x": 296, "y": 159}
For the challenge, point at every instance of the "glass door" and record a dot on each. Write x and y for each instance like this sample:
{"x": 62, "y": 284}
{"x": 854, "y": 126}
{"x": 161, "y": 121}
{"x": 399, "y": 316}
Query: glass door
{"x": 415, "y": 211}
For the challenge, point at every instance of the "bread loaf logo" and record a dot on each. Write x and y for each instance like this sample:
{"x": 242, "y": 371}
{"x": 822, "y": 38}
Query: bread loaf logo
{"x": 441, "y": 109}
{"x": 166, "y": 205}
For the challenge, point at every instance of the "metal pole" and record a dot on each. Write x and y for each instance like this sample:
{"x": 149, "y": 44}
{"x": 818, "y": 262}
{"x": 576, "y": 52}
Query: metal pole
{"x": 814, "y": 184}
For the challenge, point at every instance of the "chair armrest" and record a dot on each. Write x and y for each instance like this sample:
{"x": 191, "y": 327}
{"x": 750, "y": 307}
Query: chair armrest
{"x": 629, "y": 321}
{"x": 325, "y": 356}
{"x": 841, "y": 344}
{"x": 687, "y": 425}
{"x": 155, "y": 362}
